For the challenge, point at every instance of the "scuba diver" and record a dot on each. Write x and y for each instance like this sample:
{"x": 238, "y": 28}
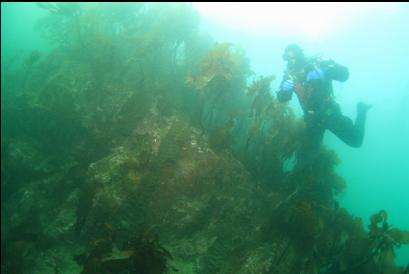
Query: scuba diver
{"x": 311, "y": 80}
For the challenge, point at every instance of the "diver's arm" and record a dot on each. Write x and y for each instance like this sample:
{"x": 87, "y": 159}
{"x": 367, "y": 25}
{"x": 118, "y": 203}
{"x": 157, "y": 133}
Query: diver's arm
{"x": 285, "y": 93}
{"x": 335, "y": 71}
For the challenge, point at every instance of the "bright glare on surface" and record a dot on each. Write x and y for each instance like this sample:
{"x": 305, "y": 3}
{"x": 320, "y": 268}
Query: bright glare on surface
{"x": 311, "y": 20}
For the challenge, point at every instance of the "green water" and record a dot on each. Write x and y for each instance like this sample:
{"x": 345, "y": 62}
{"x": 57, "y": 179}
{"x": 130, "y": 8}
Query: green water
{"x": 376, "y": 52}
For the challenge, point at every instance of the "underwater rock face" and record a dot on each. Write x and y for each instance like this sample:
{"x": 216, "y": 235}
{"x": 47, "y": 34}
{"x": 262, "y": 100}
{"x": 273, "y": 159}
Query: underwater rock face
{"x": 136, "y": 146}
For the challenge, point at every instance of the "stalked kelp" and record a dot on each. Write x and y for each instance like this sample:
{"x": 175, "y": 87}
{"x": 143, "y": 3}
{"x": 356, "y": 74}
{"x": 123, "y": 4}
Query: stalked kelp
{"x": 142, "y": 253}
{"x": 137, "y": 119}
{"x": 273, "y": 133}
{"x": 220, "y": 80}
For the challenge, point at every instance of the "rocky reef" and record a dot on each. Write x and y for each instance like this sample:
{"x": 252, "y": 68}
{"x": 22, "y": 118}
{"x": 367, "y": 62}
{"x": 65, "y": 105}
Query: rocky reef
{"x": 139, "y": 145}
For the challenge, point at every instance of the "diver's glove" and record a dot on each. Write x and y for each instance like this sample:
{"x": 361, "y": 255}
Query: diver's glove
{"x": 288, "y": 86}
{"x": 316, "y": 74}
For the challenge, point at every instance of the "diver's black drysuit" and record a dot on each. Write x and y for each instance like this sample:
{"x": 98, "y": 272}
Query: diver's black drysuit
{"x": 320, "y": 110}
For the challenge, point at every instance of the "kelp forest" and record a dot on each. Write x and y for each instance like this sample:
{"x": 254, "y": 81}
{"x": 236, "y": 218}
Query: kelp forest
{"x": 138, "y": 144}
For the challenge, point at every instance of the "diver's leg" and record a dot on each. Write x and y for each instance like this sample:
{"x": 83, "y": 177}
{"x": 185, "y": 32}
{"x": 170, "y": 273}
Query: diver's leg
{"x": 314, "y": 133}
{"x": 343, "y": 127}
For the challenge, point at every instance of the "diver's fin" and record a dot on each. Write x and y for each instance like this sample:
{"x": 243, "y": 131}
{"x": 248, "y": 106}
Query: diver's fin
{"x": 363, "y": 107}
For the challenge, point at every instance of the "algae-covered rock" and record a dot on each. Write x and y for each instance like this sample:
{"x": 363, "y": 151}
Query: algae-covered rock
{"x": 113, "y": 163}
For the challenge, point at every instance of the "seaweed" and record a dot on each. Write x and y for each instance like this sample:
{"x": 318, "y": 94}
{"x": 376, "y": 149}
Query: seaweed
{"x": 220, "y": 138}
{"x": 65, "y": 9}
{"x": 141, "y": 254}
{"x": 216, "y": 255}
{"x": 176, "y": 136}
{"x": 87, "y": 193}
{"x": 223, "y": 71}
{"x": 263, "y": 101}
